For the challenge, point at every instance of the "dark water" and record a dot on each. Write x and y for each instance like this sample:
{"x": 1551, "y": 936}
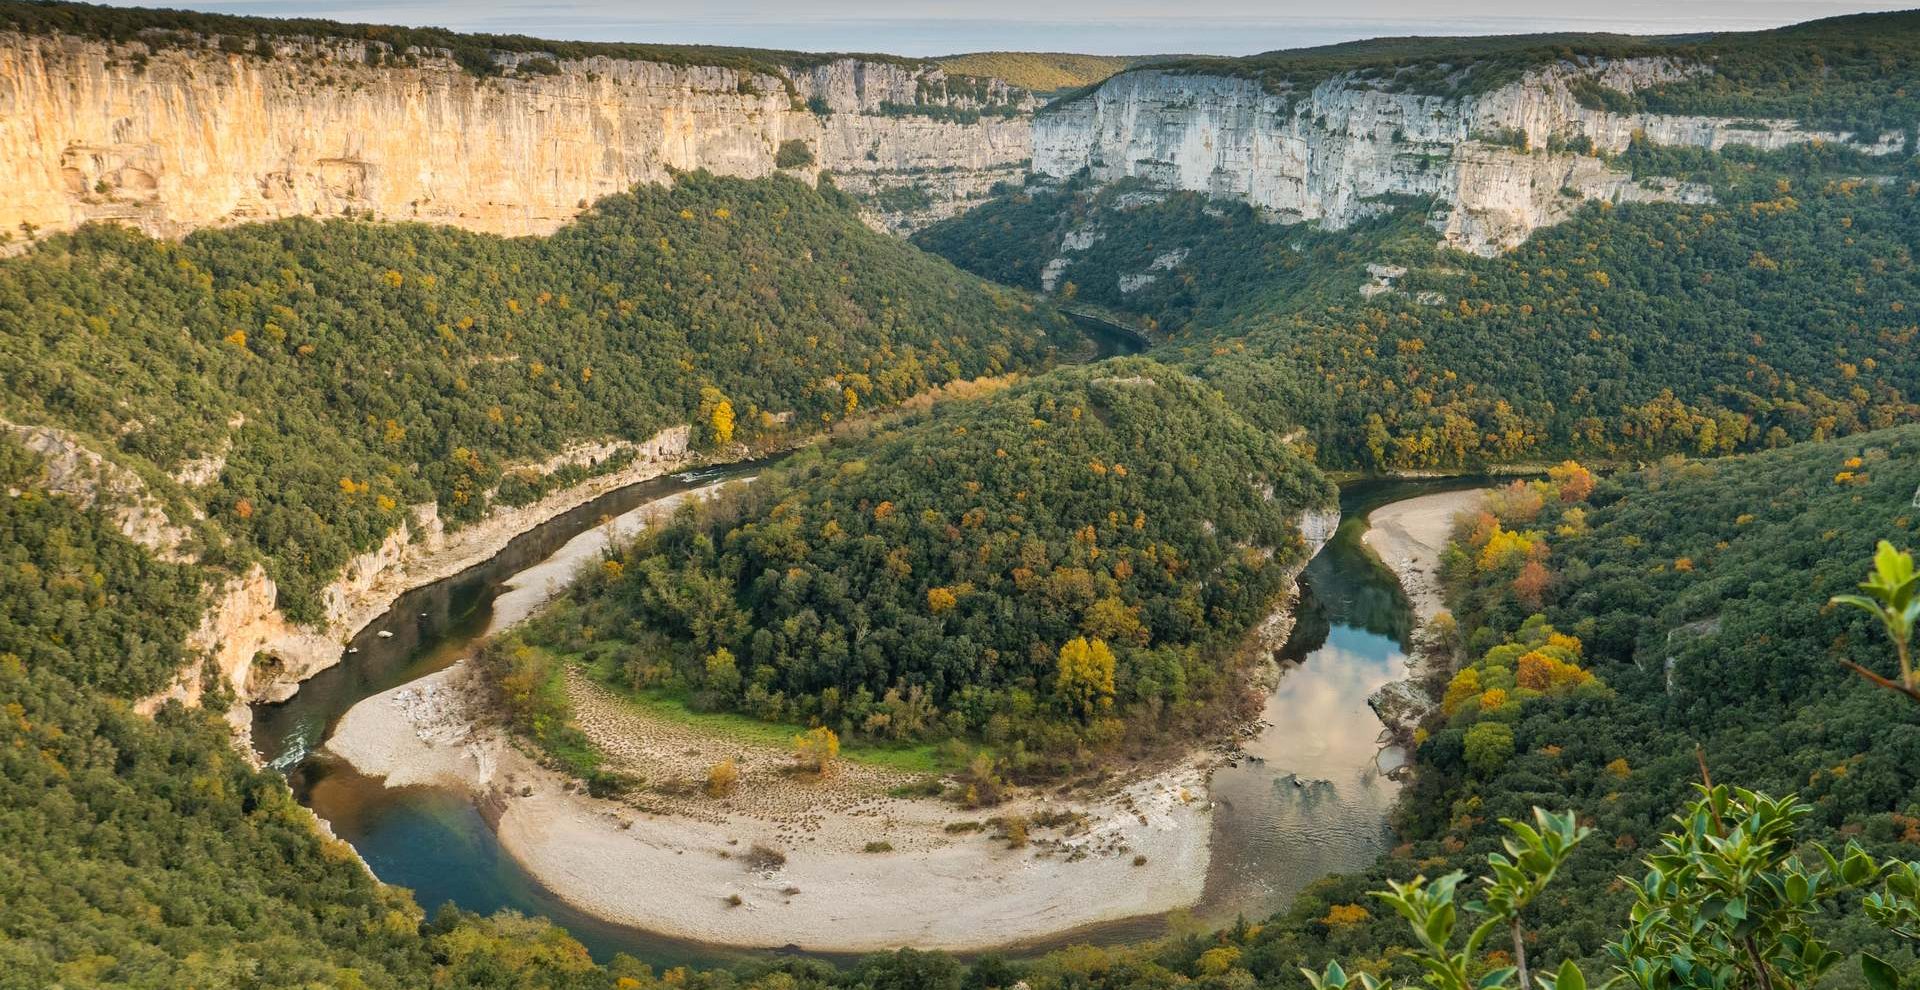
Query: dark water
{"x": 435, "y": 625}
{"x": 1109, "y": 339}
{"x": 1270, "y": 836}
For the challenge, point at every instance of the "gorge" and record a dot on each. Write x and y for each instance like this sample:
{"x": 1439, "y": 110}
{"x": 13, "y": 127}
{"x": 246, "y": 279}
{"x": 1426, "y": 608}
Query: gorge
{"x": 322, "y": 127}
{"x": 492, "y": 511}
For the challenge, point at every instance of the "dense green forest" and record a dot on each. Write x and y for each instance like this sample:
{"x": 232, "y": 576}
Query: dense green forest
{"x": 1052, "y": 564}
{"x": 1780, "y": 313}
{"x": 1068, "y": 561}
{"x": 347, "y": 370}
{"x": 146, "y": 852}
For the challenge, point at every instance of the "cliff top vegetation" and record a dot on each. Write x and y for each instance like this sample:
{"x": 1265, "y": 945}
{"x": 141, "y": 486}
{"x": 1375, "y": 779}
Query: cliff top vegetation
{"x": 1854, "y": 73}
{"x": 474, "y": 52}
{"x": 1041, "y": 72}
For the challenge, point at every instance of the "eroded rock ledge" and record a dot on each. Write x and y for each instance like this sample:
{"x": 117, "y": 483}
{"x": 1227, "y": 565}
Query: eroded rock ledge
{"x": 250, "y": 645}
{"x": 1498, "y": 165}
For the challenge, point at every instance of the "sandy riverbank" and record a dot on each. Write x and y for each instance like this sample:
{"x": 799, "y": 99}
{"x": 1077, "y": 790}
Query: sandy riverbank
{"x": 669, "y": 859}
{"x": 1409, "y": 537}
{"x": 525, "y": 592}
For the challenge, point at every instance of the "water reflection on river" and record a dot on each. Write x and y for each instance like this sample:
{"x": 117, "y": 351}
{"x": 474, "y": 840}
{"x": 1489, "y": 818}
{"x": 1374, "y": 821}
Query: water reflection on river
{"x": 1313, "y": 798}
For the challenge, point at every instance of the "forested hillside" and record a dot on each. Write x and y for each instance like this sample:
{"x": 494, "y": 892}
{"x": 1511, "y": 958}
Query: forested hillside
{"x": 146, "y": 852}
{"x": 1056, "y": 566}
{"x": 1778, "y": 313}
{"x": 474, "y": 52}
{"x": 1605, "y": 633}
{"x": 1071, "y": 560}
{"x": 339, "y": 372}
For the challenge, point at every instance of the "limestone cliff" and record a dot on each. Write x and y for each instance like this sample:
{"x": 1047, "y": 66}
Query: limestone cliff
{"x": 73, "y": 470}
{"x": 178, "y": 137}
{"x": 246, "y": 642}
{"x": 1334, "y": 153}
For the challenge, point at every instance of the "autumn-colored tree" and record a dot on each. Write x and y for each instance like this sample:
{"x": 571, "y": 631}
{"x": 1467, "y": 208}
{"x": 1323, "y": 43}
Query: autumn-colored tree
{"x": 1519, "y": 502}
{"x": 1575, "y": 482}
{"x": 1085, "y": 678}
{"x": 716, "y": 412}
{"x": 1532, "y": 583}
{"x": 1465, "y": 685}
{"x": 1113, "y": 620}
{"x": 1541, "y": 672}
{"x": 817, "y": 749}
{"x": 722, "y": 778}
{"x": 1344, "y": 915}
{"x": 1503, "y": 547}
{"x": 941, "y": 600}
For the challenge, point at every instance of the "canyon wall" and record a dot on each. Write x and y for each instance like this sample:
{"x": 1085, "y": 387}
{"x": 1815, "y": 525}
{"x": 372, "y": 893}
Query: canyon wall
{"x": 247, "y": 643}
{"x": 1496, "y": 165}
{"x": 178, "y": 137}
{"x": 175, "y": 138}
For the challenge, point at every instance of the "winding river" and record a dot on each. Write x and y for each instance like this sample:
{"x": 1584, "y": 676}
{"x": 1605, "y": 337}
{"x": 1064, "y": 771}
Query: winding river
{"x": 1311, "y": 796}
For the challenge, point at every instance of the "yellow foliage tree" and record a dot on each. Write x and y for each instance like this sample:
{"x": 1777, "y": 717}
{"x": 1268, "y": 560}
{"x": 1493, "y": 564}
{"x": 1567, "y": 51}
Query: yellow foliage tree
{"x": 1575, "y": 482}
{"x": 716, "y": 411}
{"x": 1217, "y": 960}
{"x": 1343, "y": 915}
{"x": 722, "y": 778}
{"x": 1503, "y": 547}
{"x": 1541, "y": 672}
{"x": 1465, "y": 684}
{"x": 817, "y": 748}
{"x": 1085, "y": 679}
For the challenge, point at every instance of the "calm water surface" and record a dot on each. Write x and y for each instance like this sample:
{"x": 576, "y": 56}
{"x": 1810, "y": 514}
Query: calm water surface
{"x": 1312, "y": 797}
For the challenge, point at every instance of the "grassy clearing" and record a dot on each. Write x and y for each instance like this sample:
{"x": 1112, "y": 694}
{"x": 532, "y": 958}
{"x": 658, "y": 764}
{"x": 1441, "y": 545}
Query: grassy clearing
{"x": 921, "y": 758}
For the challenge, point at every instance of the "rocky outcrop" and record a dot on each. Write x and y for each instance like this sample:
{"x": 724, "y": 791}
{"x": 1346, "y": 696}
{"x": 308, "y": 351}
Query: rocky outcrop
{"x": 71, "y": 469}
{"x": 1270, "y": 635}
{"x": 1317, "y": 527}
{"x": 183, "y": 137}
{"x": 1497, "y": 165}
{"x": 246, "y": 642}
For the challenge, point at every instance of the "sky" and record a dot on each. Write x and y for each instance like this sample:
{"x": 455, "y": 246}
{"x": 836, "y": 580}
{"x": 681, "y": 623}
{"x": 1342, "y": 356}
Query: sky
{"x": 1105, "y": 27}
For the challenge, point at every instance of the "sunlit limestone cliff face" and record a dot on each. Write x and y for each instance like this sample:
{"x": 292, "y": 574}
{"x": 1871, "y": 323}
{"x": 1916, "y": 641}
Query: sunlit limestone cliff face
{"x": 190, "y": 136}
{"x": 1495, "y": 165}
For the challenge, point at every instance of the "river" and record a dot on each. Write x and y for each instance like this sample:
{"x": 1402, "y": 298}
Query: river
{"x": 1310, "y": 798}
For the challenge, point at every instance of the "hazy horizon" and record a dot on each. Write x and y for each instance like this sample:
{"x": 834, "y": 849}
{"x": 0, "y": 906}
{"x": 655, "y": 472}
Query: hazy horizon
{"x": 1118, "y": 27}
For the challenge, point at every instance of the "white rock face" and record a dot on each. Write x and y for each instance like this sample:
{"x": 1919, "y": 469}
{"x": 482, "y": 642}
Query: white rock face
{"x": 73, "y": 470}
{"x": 246, "y": 641}
{"x": 178, "y": 139}
{"x": 1330, "y": 155}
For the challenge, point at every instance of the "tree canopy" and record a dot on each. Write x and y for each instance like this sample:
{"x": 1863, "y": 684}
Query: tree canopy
{"x": 1029, "y": 565}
